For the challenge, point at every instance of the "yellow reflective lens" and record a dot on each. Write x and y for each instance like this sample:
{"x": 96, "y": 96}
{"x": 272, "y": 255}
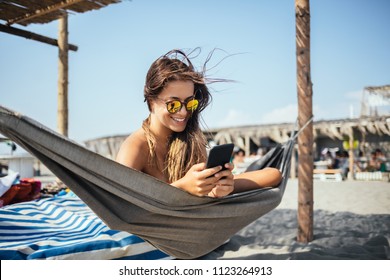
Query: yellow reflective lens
{"x": 192, "y": 105}
{"x": 174, "y": 106}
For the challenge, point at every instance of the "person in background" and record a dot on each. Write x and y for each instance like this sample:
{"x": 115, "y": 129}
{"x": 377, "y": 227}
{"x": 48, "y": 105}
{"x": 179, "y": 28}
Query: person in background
{"x": 374, "y": 162}
{"x": 330, "y": 161}
{"x": 238, "y": 157}
{"x": 343, "y": 157}
{"x": 381, "y": 160}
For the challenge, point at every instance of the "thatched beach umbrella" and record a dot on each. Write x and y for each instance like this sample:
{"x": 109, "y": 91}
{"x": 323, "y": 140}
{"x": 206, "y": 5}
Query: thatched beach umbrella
{"x": 45, "y": 11}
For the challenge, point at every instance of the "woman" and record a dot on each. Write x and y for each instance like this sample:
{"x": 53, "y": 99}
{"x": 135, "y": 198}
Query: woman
{"x": 171, "y": 146}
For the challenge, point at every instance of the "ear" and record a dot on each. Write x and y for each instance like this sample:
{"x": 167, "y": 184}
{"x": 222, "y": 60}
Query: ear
{"x": 148, "y": 101}
{"x": 151, "y": 105}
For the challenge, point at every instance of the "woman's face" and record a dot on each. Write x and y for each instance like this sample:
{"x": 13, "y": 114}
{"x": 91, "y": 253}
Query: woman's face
{"x": 164, "y": 121}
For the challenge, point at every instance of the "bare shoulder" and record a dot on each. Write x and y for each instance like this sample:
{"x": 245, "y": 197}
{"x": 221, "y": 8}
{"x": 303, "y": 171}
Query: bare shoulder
{"x": 134, "y": 151}
{"x": 136, "y": 139}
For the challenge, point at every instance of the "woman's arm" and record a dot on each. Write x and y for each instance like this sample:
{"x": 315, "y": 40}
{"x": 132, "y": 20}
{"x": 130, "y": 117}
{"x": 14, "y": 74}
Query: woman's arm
{"x": 229, "y": 183}
{"x": 267, "y": 177}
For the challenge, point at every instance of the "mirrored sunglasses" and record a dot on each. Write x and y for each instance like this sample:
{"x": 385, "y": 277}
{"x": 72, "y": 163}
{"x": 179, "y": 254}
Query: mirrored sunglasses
{"x": 175, "y": 106}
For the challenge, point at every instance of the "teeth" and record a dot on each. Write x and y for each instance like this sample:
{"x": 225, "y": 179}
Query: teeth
{"x": 179, "y": 120}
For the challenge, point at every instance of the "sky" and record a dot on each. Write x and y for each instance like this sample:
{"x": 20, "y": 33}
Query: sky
{"x": 350, "y": 49}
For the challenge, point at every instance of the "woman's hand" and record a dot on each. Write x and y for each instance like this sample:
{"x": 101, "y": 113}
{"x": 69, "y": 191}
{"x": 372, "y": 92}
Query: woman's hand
{"x": 200, "y": 181}
{"x": 225, "y": 184}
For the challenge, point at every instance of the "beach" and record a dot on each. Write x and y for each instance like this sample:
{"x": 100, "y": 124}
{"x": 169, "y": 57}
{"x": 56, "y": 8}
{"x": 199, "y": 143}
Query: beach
{"x": 351, "y": 221}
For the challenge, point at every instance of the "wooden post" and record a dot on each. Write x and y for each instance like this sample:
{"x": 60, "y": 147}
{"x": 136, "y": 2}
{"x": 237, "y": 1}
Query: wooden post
{"x": 351, "y": 173}
{"x": 62, "y": 111}
{"x": 247, "y": 145}
{"x": 305, "y": 108}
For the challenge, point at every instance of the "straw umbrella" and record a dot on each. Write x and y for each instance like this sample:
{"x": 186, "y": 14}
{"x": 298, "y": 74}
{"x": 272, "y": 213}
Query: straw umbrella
{"x": 45, "y": 11}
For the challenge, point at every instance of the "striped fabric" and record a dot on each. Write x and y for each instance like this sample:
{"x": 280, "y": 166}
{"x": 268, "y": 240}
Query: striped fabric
{"x": 64, "y": 227}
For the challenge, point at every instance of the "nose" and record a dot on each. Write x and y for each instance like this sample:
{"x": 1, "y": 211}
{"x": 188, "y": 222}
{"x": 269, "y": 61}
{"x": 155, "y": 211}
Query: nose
{"x": 182, "y": 109}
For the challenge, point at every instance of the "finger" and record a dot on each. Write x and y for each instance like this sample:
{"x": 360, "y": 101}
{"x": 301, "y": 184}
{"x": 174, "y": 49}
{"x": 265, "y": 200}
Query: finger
{"x": 224, "y": 173}
{"x": 229, "y": 166}
{"x": 224, "y": 188}
{"x": 211, "y": 181}
{"x": 199, "y": 166}
{"x": 211, "y": 171}
{"x": 205, "y": 190}
{"x": 224, "y": 178}
{"x": 225, "y": 181}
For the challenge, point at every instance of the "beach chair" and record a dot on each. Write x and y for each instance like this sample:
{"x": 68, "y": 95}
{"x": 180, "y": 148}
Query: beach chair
{"x": 177, "y": 223}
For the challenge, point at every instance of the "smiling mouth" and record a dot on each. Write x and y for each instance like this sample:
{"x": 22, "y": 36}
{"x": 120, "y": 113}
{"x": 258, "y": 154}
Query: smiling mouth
{"x": 180, "y": 120}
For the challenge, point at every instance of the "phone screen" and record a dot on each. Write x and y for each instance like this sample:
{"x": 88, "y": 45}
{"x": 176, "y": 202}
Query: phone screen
{"x": 220, "y": 155}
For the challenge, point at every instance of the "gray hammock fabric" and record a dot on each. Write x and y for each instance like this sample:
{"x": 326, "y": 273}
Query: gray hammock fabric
{"x": 177, "y": 223}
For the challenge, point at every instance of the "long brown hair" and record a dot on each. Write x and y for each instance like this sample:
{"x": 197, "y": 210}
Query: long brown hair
{"x": 184, "y": 148}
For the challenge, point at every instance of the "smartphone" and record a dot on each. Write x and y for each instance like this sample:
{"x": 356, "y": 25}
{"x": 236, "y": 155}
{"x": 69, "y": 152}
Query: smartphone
{"x": 220, "y": 155}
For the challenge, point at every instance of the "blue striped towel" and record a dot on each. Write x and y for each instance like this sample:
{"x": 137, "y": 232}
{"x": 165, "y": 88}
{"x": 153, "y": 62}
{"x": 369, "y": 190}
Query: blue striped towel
{"x": 63, "y": 227}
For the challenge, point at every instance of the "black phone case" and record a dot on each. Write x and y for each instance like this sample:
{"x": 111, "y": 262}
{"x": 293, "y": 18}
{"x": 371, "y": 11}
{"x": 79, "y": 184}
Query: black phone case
{"x": 219, "y": 155}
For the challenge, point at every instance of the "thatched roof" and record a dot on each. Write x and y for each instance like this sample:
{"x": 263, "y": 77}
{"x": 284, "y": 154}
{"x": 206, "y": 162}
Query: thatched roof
{"x": 336, "y": 130}
{"x": 382, "y": 90}
{"x": 333, "y": 129}
{"x": 25, "y": 12}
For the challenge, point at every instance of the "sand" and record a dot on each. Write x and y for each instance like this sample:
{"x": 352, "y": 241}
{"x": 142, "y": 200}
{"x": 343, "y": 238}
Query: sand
{"x": 351, "y": 221}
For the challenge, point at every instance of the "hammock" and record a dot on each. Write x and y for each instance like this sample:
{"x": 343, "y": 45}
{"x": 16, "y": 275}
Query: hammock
{"x": 174, "y": 221}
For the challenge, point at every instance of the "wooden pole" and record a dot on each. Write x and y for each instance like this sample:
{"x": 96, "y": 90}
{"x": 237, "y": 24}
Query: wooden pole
{"x": 305, "y": 108}
{"x": 62, "y": 113}
{"x": 351, "y": 173}
{"x": 247, "y": 145}
{"x": 32, "y": 36}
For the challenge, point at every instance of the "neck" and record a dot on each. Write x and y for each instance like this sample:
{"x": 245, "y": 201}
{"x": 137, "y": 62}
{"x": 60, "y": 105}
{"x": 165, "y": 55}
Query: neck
{"x": 160, "y": 132}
